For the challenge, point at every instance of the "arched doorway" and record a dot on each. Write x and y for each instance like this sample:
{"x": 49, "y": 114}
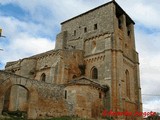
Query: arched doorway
{"x": 16, "y": 99}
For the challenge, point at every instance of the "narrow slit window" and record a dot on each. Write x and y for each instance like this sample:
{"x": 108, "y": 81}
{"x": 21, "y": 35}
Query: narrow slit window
{"x": 74, "y": 32}
{"x": 119, "y": 23}
{"x": 95, "y": 27}
{"x": 100, "y": 95}
{"x": 65, "y": 94}
{"x": 128, "y": 31}
{"x": 127, "y": 84}
{"x": 85, "y": 29}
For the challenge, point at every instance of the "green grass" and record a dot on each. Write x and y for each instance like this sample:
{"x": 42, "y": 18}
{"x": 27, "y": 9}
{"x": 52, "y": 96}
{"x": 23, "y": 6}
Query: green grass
{"x": 60, "y": 118}
{"x": 57, "y": 118}
{"x": 65, "y": 118}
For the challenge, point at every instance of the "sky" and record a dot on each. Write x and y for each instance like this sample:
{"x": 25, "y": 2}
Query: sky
{"x": 31, "y": 26}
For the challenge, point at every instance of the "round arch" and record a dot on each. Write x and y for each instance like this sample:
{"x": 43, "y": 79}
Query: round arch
{"x": 43, "y": 77}
{"x": 24, "y": 84}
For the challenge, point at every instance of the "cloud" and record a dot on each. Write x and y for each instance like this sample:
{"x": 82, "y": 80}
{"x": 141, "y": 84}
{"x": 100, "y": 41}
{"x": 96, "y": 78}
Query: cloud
{"x": 144, "y": 12}
{"x": 12, "y": 27}
{"x": 40, "y": 23}
{"x": 152, "y": 106}
{"x": 147, "y": 33}
{"x": 23, "y": 39}
{"x": 25, "y": 46}
{"x": 149, "y": 54}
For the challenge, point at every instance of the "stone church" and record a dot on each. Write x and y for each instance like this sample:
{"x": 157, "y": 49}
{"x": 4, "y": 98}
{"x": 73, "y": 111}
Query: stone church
{"x": 94, "y": 67}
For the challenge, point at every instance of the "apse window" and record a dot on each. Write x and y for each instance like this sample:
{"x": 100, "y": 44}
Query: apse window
{"x": 65, "y": 94}
{"x": 100, "y": 95}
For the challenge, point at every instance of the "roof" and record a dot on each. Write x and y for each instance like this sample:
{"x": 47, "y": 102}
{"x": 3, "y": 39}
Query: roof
{"x": 115, "y": 3}
{"x": 86, "y": 81}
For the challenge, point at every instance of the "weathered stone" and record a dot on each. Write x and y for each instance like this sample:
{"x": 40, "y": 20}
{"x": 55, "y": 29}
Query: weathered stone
{"x": 93, "y": 67}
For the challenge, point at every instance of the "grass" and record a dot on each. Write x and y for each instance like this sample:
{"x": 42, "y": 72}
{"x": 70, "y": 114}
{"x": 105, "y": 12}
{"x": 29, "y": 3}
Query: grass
{"x": 65, "y": 118}
{"x": 57, "y": 118}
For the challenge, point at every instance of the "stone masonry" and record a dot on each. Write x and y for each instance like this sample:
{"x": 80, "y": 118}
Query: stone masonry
{"x": 94, "y": 67}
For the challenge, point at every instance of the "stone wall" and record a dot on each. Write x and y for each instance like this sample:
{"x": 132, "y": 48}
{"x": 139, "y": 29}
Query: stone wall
{"x": 102, "y": 16}
{"x": 98, "y": 62}
{"x": 97, "y": 44}
{"x": 88, "y": 101}
{"x": 41, "y": 96}
{"x": 90, "y": 24}
{"x": 102, "y": 38}
{"x": 58, "y": 66}
{"x": 42, "y": 100}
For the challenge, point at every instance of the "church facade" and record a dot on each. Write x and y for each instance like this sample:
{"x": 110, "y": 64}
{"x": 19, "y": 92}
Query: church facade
{"x": 94, "y": 67}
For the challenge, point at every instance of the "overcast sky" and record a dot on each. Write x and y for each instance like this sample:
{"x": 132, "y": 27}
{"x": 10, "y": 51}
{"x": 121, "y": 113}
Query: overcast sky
{"x": 30, "y": 27}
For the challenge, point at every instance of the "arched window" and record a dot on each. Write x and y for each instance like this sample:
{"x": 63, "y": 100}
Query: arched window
{"x": 74, "y": 76}
{"x": 43, "y": 77}
{"x": 127, "y": 83}
{"x": 94, "y": 73}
